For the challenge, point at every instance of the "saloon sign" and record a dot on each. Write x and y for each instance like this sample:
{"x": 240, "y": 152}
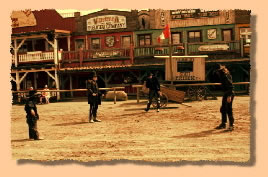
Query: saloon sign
{"x": 106, "y": 22}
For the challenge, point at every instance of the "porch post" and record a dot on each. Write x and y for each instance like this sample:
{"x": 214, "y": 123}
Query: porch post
{"x": 16, "y": 64}
{"x": 69, "y": 43}
{"x": 35, "y": 81}
{"x": 242, "y": 47}
{"x": 71, "y": 85}
{"x": 57, "y": 83}
{"x": 56, "y": 65}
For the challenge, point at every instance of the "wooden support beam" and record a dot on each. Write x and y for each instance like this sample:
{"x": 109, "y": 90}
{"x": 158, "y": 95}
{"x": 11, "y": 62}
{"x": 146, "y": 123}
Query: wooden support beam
{"x": 12, "y": 78}
{"x": 25, "y": 74}
{"x": 109, "y": 78}
{"x": 50, "y": 75}
{"x": 243, "y": 69}
{"x": 29, "y": 37}
{"x": 51, "y": 43}
{"x": 33, "y": 70}
{"x": 21, "y": 43}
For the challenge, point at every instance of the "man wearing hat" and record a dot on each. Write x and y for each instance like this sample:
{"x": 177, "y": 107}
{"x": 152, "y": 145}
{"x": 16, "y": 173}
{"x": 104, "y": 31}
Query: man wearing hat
{"x": 32, "y": 115}
{"x": 94, "y": 97}
{"x": 154, "y": 91}
{"x": 227, "y": 100}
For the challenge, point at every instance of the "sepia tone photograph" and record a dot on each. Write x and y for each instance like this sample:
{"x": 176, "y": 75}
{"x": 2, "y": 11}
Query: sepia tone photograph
{"x": 147, "y": 85}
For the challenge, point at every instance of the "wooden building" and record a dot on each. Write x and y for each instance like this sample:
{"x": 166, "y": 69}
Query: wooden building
{"x": 224, "y": 36}
{"x": 37, "y": 41}
{"x": 122, "y": 46}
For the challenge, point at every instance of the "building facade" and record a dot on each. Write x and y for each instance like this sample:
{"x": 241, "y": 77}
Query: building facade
{"x": 122, "y": 46}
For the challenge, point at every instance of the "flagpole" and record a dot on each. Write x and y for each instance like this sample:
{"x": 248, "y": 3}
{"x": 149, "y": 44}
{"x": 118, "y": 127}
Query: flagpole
{"x": 170, "y": 56}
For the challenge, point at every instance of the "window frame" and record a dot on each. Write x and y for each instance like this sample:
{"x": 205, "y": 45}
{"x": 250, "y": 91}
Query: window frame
{"x": 91, "y": 43}
{"x": 184, "y": 62}
{"x": 144, "y": 35}
{"x": 194, "y": 41}
{"x": 172, "y": 38}
{"x": 232, "y": 34}
{"x": 121, "y": 38}
{"x": 75, "y": 42}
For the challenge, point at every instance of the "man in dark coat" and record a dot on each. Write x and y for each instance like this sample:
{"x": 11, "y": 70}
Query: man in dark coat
{"x": 154, "y": 91}
{"x": 32, "y": 114}
{"x": 94, "y": 98}
{"x": 228, "y": 97}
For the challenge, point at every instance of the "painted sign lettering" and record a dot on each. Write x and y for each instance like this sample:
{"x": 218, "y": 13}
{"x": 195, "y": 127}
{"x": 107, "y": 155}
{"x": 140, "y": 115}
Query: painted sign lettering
{"x": 186, "y": 76}
{"x": 213, "y": 47}
{"x": 192, "y": 13}
{"x": 106, "y": 22}
{"x": 23, "y": 18}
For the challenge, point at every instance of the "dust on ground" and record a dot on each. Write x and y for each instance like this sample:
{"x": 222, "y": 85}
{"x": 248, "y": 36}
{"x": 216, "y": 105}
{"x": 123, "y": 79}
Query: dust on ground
{"x": 178, "y": 132}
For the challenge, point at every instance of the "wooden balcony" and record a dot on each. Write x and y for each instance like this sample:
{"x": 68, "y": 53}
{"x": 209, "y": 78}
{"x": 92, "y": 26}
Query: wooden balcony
{"x": 219, "y": 49}
{"x": 37, "y": 56}
{"x": 158, "y": 50}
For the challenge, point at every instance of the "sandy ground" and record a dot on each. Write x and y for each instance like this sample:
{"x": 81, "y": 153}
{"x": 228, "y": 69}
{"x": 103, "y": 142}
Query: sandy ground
{"x": 176, "y": 133}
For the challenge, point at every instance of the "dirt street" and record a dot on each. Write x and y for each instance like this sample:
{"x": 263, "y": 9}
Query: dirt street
{"x": 176, "y": 133}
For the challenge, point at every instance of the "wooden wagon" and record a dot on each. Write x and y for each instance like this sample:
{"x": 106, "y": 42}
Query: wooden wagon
{"x": 167, "y": 94}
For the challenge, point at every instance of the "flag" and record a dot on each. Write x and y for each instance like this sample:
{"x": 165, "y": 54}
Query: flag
{"x": 165, "y": 34}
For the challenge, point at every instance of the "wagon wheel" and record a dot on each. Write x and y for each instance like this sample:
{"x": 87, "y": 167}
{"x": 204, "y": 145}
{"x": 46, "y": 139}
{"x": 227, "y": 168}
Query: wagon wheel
{"x": 196, "y": 93}
{"x": 200, "y": 93}
{"x": 163, "y": 101}
{"x": 191, "y": 93}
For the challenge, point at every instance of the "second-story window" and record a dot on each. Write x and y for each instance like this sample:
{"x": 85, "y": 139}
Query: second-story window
{"x": 145, "y": 39}
{"x": 245, "y": 34}
{"x": 194, "y": 36}
{"x": 227, "y": 35}
{"x": 79, "y": 43}
{"x": 95, "y": 43}
{"x": 126, "y": 40}
{"x": 176, "y": 38}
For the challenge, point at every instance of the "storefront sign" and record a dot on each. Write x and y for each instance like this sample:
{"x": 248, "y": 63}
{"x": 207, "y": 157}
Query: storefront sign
{"x": 192, "y": 13}
{"x": 213, "y": 47}
{"x": 106, "y": 22}
{"x": 23, "y": 18}
{"x": 106, "y": 54}
{"x": 186, "y": 76}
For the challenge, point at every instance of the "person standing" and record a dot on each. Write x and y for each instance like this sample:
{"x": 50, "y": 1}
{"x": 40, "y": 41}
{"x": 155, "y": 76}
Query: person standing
{"x": 154, "y": 91}
{"x": 45, "y": 95}
{"x": 32, "y": 114}
{"x": 94, "y": 98}
{"x": 228, "y": 97}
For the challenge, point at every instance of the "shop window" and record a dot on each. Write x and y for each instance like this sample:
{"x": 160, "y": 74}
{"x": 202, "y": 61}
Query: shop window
{"x": 184, "y": 66}
{"x": 145, "y": 39}
{"x": 194, "y": 36}
{"x": 95, "y": 43}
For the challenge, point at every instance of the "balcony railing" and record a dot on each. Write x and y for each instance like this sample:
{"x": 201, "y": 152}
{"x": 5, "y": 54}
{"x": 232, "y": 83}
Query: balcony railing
{"x": 190, "y": 49}
{"x": 34, "y": 56}
{"x": 202, "y": 48}
{"x": 158, "y": 50}
{"x": 87, "y": 55}
{"x": 37, "y": 56}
